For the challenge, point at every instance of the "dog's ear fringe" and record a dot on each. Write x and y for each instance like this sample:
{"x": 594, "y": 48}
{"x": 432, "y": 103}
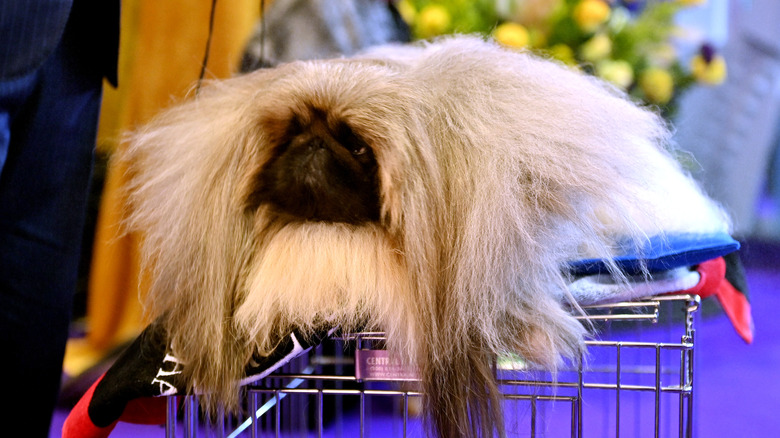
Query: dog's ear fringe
{"x": 182, "y": 170}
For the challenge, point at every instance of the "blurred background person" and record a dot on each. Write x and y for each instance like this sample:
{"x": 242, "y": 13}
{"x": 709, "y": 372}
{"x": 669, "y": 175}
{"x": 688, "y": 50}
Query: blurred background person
{"x": 732, "y": 129}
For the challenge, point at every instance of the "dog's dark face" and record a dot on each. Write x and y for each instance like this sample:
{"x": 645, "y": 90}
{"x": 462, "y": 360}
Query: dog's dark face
{"x": 320, "y": 171}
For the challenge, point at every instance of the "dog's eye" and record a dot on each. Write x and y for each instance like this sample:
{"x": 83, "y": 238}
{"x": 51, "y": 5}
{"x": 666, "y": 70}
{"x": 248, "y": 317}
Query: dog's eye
{"x": 359, "y": 150}
{"x": 350, "y": 141}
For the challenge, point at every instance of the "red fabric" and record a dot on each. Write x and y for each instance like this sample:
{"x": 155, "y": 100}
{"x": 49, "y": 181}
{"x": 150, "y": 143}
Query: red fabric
{"x": 713, "y": 274}
{"x": 737, "y": 308}
{"x": 79, "y": 425}
{"x": 145, "y": 410}
{"x": 735, "y": 304}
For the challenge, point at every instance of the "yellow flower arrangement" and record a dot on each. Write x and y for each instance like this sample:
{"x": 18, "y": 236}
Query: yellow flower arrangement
{"x": 433, "y": 20}
{"x": 511, "y": 35}
{"x": 657, "y": 84}
{"x": 598, "y": 47}
{"x": 590, "y": 14}
{"x": 627, "y": 42}
{"x": 617, "y": 71}
{"x": 708, "y": 67}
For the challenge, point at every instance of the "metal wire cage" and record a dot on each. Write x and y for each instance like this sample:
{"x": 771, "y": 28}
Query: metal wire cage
{"x": 636, "y": 381}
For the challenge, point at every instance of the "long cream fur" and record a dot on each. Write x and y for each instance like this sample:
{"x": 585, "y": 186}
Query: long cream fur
{"x": 496, "y": 168}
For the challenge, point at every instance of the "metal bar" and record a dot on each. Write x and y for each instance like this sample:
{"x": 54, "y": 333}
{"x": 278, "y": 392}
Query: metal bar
{"x": 172, "y": 410}
{"x": 617, "y": 317}
{"x": 662, "y": 389}
{"x": 682, "y": 297}
{"x": 190, "y": 416}
{"x": 691, "y": 398}
{"x": 625, "y": 304}
{"x": 658, "y": 392}
{"x": 406, "y": 412}
{"x": 315, "y": 377}
{"x": 278, "y": 416}
{"x": 529, "y": 397}
{"x": 362, "y": 414}
{"x": 617, "y": 392}
{"x": 681, "y": 410}
{"x": 253, "y": 402}
{"x": 573, "y": 426}
{"x": 665, "y": 345}
{"x": 540, "y": 383}
{"x": 579, "y": 399}
{"x": 327, "y": 391}
{"x": 320, "y": 420}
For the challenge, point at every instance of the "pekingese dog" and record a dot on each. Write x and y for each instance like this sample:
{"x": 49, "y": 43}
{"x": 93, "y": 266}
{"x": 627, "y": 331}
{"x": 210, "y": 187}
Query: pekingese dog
{"x": 434, "y": 192}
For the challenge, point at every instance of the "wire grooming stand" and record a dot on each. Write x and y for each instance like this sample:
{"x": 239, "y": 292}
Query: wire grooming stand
{"x": 637, "y": 381}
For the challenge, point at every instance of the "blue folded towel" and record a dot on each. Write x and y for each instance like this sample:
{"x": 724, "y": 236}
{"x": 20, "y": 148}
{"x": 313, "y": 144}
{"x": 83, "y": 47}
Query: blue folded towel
{"x": 662, "y": 253}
